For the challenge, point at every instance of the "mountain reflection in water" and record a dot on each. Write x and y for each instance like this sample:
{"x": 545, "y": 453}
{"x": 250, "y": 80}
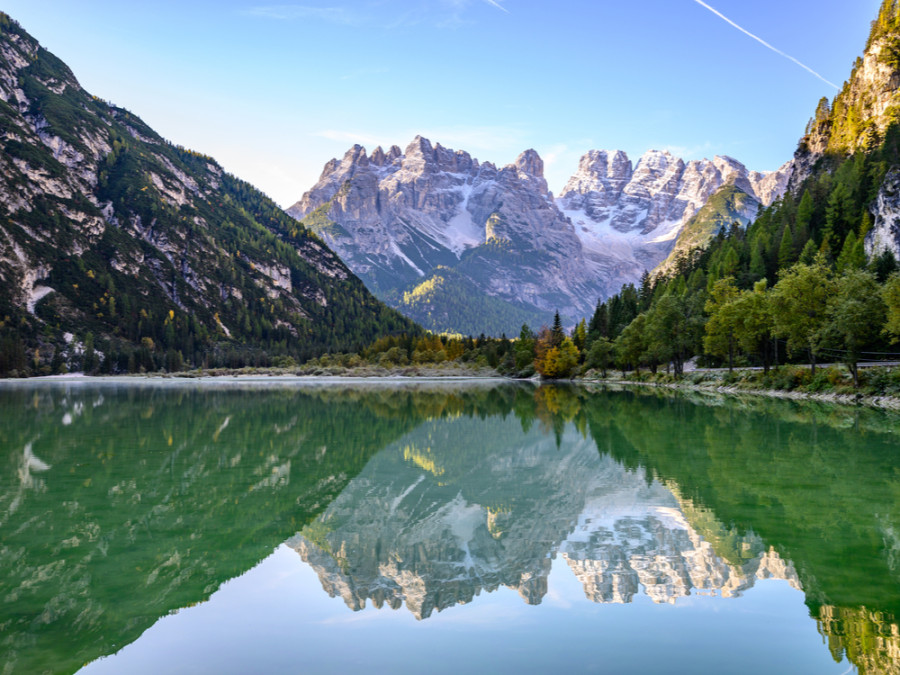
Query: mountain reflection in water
{"x": 454, "y": 509}
{"x": 122, "y": 503}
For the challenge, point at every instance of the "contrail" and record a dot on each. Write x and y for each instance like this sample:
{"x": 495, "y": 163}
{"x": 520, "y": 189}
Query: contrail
{"x": 764, "y": 43}
{"x": 496, "y": 4}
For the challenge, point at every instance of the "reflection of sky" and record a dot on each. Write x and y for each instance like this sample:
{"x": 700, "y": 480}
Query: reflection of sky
{"x": 275, "y": 618}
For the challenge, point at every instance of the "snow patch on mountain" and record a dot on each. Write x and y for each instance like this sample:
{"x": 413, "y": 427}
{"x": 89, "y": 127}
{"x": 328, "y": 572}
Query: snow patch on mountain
{"x": 635, "y": 216}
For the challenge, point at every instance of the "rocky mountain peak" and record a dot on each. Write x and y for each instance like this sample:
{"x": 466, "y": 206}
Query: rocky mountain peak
{"x": 860, "y": 114}
{"x": 419, "y": 147}
{"x": 629, "y": 219}
{"x": 600, "y": 171}
{"x": 356, "y": 155}
{"x": 729, "y": 167}
{"x": 422, "y": 156}
{"x": 658, "y": 164}
{"x": 405, "y": 220}
{"x": 530, "y": 169}
{"x": 530, "y": 163}
{"x": 378, "y": 156}
{"x": 404, "y": 217}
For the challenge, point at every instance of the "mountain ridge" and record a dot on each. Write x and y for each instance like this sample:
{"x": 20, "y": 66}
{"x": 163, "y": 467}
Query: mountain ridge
{"x": 398, "y": 215}
{"x": 110, "y": 234}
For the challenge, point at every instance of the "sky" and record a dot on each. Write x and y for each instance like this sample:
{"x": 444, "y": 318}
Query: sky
{"x": 273, "y": 91}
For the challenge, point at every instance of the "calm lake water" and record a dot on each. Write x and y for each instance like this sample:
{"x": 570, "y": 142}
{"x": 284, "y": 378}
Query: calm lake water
{"x": 231, "y": 528}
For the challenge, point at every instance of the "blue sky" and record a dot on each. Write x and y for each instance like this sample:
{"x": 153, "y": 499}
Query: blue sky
{"x": 274, "y": 90}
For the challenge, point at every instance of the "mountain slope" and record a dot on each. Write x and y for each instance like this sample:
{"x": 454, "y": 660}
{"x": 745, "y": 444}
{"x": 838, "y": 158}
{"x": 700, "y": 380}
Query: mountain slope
{"x": 107, "y": 229}
{"x": 631, "y": 218}
{"x": 862, "y": 120}
{"x": 396, "y": 217}
{"x": 728, "y": 205}
{"x": 448, "y": 302}
{"x": 837, "y": 225}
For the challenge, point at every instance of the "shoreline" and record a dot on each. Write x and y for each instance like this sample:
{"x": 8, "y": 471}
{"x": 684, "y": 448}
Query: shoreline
{"x": 891, "y": 403}
{"x": 435, "y": 376}
{"x": 260, "y": 380}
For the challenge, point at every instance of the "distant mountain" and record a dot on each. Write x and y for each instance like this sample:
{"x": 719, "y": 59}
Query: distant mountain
{"x": 109, "y": 231}
{"x": 727, "y": 206}
{"x": 396, "y": 217}
{"x": 630, "y": 218}
{"x": 435, "y": 233}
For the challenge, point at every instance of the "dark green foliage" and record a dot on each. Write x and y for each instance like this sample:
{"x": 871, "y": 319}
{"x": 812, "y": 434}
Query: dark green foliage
{"x": 196, "y": 268}
{"x": 557, "y": 335}
{"x": 830, "y": 218}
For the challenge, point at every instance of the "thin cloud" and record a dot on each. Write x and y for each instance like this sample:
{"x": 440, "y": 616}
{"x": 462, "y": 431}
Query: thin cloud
{"x": 764, "y": 43}
{"x": 494, "y": 3}
{"x": 338, "y": 15}
{"x": 446, "y": 13}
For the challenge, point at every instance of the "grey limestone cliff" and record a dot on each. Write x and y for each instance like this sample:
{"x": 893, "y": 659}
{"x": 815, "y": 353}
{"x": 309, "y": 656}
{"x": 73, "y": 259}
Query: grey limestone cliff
{"x": 399, "y": 218}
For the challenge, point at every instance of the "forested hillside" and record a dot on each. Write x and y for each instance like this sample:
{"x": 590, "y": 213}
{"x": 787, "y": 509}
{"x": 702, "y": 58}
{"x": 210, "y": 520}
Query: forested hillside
{"x": 815, "y": 275}
{"x": 122, "y": 252}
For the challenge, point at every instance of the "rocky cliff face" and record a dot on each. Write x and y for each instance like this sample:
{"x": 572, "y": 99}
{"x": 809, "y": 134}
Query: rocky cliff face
{"x": 629, "y": 218}
{"x": 399, "y": 218}
{"x": 866, "y": 106}
{"x": 885, "y": 233}
{"x": 105, "y": 227}
{"x": 435, "y": 520}
{"x": 860, "y": 121}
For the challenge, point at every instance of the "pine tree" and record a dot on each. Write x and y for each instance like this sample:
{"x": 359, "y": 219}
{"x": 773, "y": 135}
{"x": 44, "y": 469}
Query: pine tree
{"x": 786, "y": 249}
{"x": 805, "y": 211}
{"x": 599, "y": 325}
{"x": 758, "y": 260}
{"x": 557, "y": 334}
{"x": 646, "y": 292}
{"x": 838, "y": 215}
{"x": 808, "y": 254}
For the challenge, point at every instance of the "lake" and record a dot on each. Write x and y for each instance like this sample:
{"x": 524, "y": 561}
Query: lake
{"x": 231, "y": 527}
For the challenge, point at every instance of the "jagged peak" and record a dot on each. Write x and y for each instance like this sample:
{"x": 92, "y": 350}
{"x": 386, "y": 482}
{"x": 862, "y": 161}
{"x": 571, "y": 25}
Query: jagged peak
{"x": 727, "y": 159}
{"x": 530, "y": 162}
{"x": 606, "y": 162}
{"x": 419, "y": 146}
{"x": 356, "y": 155}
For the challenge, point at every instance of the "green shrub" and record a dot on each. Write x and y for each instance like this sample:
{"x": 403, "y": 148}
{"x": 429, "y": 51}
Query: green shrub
{"x": 789, "y": 378}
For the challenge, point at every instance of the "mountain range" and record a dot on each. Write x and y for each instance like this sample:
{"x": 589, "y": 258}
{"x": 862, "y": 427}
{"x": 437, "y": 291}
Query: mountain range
{"x": 123, "y": 252}
{"x": 464, "y": 246}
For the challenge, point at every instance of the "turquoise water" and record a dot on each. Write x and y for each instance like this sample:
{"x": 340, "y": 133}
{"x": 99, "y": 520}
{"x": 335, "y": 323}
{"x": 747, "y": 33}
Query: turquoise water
{"x": 194, "y": 528}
